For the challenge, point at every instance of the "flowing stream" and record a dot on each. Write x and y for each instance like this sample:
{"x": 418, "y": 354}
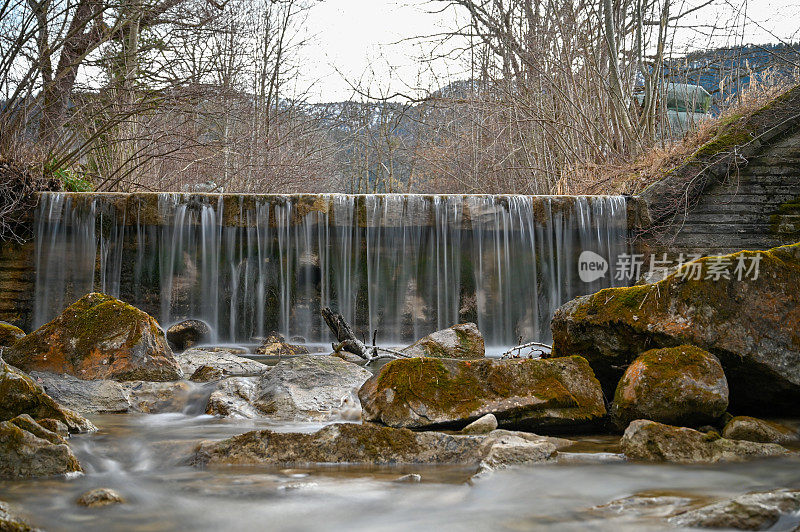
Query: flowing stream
{"x": 139, "y": 456}
{"x": 401, "y": 265}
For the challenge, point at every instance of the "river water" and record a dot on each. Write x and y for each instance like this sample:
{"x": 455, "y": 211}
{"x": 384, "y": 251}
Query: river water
{"x": 140, "y": 457}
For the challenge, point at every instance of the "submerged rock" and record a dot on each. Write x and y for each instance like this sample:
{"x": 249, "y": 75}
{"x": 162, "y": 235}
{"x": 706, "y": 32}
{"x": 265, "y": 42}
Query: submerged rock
{"x": 678, "y": 386}
{"x": 557, "y": 394}
{"x": 758, "y": 430}
{"x": 100, "y": 497}
{"x": 86, "y": 397}
{"x": 9, "y": 334}
{"x": 750, "y": 324}
{"x": 347, "y": 443}
{"x": 99, "y": 337}
{"x": 752, "y": 511}
{"x": 651, "y": 441}
{"x": 19, "y": 394}
{"x": 229, "y": 364}
{"x": 188, "y": 333}
{"x": 459, "y": 341}
{"x": 11, "y": 522}
{"x": 29, "y": 450}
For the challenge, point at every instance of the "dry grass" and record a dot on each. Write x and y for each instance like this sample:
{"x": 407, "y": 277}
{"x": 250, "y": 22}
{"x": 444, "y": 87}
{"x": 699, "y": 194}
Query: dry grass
{"x": 653, "y": 164}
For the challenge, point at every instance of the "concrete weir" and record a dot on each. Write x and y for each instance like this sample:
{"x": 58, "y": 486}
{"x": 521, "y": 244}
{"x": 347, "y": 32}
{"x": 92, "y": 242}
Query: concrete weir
{"x": 403, "y": 265}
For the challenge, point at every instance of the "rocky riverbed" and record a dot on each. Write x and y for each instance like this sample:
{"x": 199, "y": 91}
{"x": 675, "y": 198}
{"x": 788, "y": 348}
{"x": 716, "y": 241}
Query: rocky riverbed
{"x": 632, "y": 421}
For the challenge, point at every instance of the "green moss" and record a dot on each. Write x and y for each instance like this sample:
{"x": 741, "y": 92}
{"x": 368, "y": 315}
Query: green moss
{"x": 463, "y": 389}
{"x": 9, "y": 334}
{"x": 612, "y": 304}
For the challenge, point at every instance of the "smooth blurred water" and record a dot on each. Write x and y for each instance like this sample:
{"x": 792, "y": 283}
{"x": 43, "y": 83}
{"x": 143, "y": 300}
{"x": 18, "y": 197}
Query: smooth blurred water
{"x": 139, "y": 456}
{"x": 401, "y": 265}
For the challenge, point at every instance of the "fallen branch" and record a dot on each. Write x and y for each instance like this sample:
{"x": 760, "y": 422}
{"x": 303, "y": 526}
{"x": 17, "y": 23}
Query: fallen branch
{"x": 350, "y": 343}
{"x": 535, "y": 346}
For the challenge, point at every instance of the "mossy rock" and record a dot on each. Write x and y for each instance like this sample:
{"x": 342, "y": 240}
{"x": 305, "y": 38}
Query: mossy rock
{"x": 752, "y": 326}
{"x": 675, "y": 385}
{"x": 27, "y": 450}
{"x": 462, "y": 341}
{"x": 758, "y": 430}
{"x": 370, "y": 444}
{"x": 538, "y": 395}
{"x": 99, "y": 337}
{"x": 20, "y": 395}
{"x": 650, "y": 441}
{"x": 9, "y": 334}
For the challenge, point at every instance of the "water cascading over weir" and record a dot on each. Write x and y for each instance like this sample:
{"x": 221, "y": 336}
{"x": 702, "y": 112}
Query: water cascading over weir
{"x": 404, "y": 265}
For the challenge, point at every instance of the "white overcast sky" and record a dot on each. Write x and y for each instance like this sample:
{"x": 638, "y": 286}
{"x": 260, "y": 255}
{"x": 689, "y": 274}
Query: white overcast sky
{"x": 372, "y": 41}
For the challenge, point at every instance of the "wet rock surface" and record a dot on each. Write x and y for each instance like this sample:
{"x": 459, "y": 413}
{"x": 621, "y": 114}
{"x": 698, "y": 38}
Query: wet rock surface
{"x": 677, "y": 386}
{"x": 229, "y": 364}
{"x": 758, "y": 430}
{"x": 309, "y": 387}
{"x": 348, "y": 443}
{"x": 206, "y": 374}
{"x": 275, "y": 345}
{"x": 28, "y": 450}
{"x": 11, "y": 522}
{"x": 651, "y": 441}
{"x": 95, "y": 396}
{"x": 188, "y": 333}
{"x": 304, "y": 388}
{"x": 751, "y": 511}
{"x": 749, "y": 324}
{"x": 158, "y": 397}
{"x": 233, "y": 397}
{"x": 100, "y": 497}
{"x": 537, "y": 395}
{"x": 462, "y": 341}
{"x": 98, "y": 337}
{"x": 20, "y": 394}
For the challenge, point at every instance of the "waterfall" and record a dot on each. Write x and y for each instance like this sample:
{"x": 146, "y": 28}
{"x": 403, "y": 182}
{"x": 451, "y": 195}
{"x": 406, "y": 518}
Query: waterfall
{"x": 404, "y": 265}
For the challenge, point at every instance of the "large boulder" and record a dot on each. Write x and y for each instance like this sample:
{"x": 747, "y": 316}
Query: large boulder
{"x": 99, "y": 337}
{"x": 229, "y": 364}
{"x": 459, "y": 341}
{"x": 309, "y": 387}
{"x": 29, "y": 450}
{"x": 758, "y": 430}
{"x": 86, "y": 397}
{"x": 371, "y": 444}
{"x": 651, "y": 441}
{"x": 547, "y": 395}
{"x": 749, "y": 323}
{"x": 19, "y": 395}
{"x": 188, "y": 333}
{"x": 751, "y": 511}
{"x": 675, "y": 385}
{"x": 9, "y": 334}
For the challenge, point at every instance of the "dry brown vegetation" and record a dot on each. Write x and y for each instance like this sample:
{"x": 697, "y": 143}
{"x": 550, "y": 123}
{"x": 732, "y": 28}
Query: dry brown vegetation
{"x": 654, "y": 163}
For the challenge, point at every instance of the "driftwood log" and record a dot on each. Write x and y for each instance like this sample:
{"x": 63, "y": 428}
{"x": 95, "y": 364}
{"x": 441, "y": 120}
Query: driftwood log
{"x": 346, "y": 339}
